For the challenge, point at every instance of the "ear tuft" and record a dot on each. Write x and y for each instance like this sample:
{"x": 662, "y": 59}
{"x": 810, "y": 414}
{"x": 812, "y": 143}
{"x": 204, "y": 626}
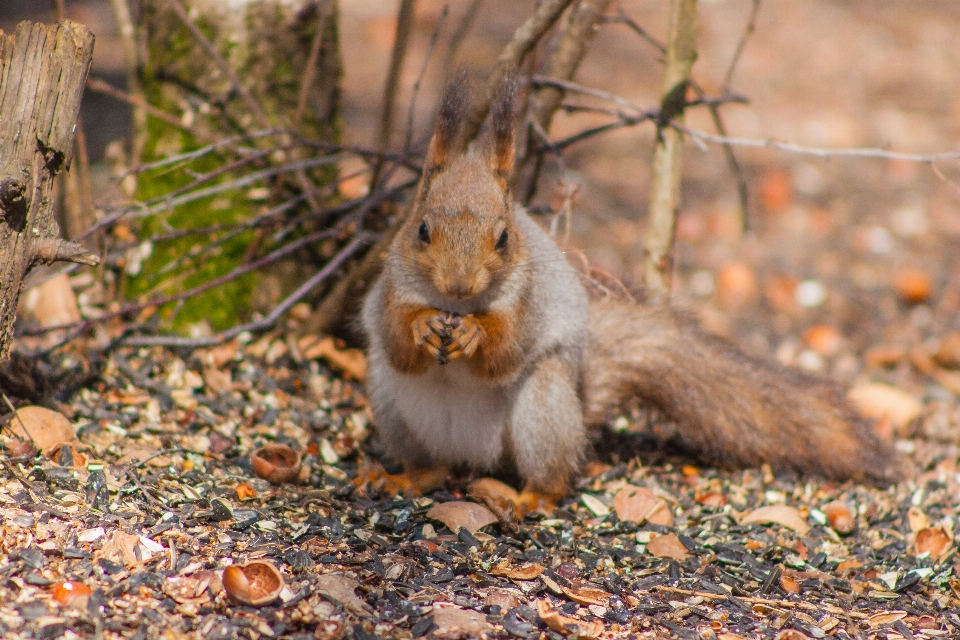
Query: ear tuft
{"x": 502, "y": 123}
{"x": 452, "y": 109}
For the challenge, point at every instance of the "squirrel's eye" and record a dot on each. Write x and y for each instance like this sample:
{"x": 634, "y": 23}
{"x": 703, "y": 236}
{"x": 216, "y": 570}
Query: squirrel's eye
{"x": 424, "y": 233}
{"x": 502, "y": 240}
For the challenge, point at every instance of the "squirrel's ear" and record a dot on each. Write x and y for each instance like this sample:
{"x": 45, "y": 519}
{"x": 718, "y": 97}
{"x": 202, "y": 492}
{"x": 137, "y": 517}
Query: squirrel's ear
{"x": 452, "y": 108}
{"x": 501, "y": 121}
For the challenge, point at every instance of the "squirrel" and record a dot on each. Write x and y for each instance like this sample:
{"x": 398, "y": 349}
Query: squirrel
{"x": 485, "y": 352}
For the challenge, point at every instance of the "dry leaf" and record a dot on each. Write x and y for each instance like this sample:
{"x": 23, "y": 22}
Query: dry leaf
{"x": 46, "y": 428}
{"x": 948, "y": 351}
{"x": 912, "y": 285}
{"x": 778, "y": 514}
{"x": 668, "y": 546}
{"x": 640, "y": 504}
{"x": 736, "y": 285}
{"x": 887, "y": 617}
{"x": 456, "y": 514}
{"x": 526, "y": 571}
{"x": 711, "y": 499}
{"x": 566, "y": 625}
{"x": 917, "y": 519}
{"x": 341, "y": 588}
{"x": 455, "y": 622}
{"x": 121, "y": 548}
{"x": 350, "y": 362}
{"x": 825, "y": 339}
{"x": 503, "y": 598}
{"x": 586, "y": 595}
{"x": 878, "y": 401}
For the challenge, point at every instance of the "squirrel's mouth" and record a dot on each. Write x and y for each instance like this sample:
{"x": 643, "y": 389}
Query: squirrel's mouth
{"x": 463, "y": 287}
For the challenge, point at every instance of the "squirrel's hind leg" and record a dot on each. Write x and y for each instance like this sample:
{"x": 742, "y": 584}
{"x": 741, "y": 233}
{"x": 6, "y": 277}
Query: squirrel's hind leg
{"x": 546, "y": 434}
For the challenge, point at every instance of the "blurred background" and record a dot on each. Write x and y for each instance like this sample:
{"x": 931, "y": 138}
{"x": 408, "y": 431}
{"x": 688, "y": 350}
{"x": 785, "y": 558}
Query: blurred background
{"x": 832, "y": 242}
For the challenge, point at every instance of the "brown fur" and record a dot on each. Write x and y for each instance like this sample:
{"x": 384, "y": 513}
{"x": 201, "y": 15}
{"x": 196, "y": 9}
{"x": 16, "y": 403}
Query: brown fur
{"x": 469, "y": 278}
{"x": 731, "y": 408}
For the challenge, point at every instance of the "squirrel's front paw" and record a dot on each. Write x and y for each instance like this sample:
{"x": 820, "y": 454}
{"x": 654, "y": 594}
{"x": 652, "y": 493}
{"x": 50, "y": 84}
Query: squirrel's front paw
{"x": 430, "y": 334}
{"x": 463, "y": 336}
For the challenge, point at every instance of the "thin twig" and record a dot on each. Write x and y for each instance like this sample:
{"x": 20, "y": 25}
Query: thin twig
{"x": 751, "y": 26}
{"x": 323, "y": 15}
{"x": 819, "y": 152}
{"x": 267, "y": 321}
{"x": 224, "y": 66}
{"x": 423, "y": 70}
{"x": 524, "y": 39}
{"x": 401, "y": 42}
{"x": 456, "y": 39}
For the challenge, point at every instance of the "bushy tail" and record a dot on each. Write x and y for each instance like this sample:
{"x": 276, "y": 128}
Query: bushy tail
{"x": 729, "y": 407}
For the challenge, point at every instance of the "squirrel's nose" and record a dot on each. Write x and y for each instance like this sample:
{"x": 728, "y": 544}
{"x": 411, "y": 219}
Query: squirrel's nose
{"x": 459, "y": 288}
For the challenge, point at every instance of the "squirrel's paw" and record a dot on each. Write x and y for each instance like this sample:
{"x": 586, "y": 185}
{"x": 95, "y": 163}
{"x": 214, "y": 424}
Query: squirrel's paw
{"x": 464, "y": 337}
{"x": 429, "y": 334}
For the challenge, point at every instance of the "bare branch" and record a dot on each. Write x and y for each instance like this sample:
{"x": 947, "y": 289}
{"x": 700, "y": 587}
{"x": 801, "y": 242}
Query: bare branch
{"x": 523, "y": 41}
{"x": 423, "y": 70}
{"x": 747, "y": 32}
{"x": 401, "y": 42}
{"x": 819, "y": 152}
{"x": 326, "y": 9}
{"x": 668, "y": 153}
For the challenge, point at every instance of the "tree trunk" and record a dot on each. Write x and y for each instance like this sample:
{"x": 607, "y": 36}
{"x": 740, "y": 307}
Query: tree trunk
{"x": 668, "y": 154}
{"x": 43, "y": 69}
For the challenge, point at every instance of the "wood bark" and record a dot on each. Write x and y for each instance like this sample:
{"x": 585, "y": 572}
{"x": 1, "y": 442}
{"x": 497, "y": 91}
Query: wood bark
{"x": 43, "y": 69}
{"x": 668, "y": 154}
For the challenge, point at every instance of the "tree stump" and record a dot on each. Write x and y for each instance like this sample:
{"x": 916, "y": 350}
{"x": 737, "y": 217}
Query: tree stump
{"x": 43, "y": 69}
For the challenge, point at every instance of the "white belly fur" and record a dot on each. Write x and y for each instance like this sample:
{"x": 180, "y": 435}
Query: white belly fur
{"x": 457, "y": 417}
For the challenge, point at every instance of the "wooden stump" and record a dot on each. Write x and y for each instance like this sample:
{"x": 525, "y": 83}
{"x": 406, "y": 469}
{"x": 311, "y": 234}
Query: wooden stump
{"x": 43, "y": 69}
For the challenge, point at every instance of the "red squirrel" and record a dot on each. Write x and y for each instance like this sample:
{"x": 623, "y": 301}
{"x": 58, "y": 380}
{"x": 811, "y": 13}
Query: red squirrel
{"x": 485, "y": 351}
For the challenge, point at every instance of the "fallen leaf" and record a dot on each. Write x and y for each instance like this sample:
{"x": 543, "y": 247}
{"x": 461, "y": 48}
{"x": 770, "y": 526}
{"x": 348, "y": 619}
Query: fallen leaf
{"x": 887, "y": 617}
{"x": 503, "y": 598}
{"x": 883, "y": 401}
{"x": 711, "y": 499}
{"x": 825, "y": 339}
{"x": 789, "y": 585}
{"x": 341, "y": 588}
{"x": 884, "y": 355}
{"x": 948, "y": 351}
{"x": 566, "y": 625}
{"x": 469, "y": 515}
{"x": 780, "y": 514}
{"x": 586, "y": 595}
{"x": 455, "y": 622}
{"x": 736, "y": 285}
{"x": 668, "y": 546}
{"x": 46, "y": 428}
{"x": 776, "y": 189}
{"x": 912, "y": 285}
{"x": 640, "y": 504}
{"x": 526, "y": 571}
{"x": 350, "y": 362}
{"x": 917, "y": 519}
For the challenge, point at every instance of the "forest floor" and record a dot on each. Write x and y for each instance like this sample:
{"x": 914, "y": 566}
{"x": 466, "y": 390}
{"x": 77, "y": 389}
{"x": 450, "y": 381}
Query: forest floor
{"x": 851, "y": 269}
